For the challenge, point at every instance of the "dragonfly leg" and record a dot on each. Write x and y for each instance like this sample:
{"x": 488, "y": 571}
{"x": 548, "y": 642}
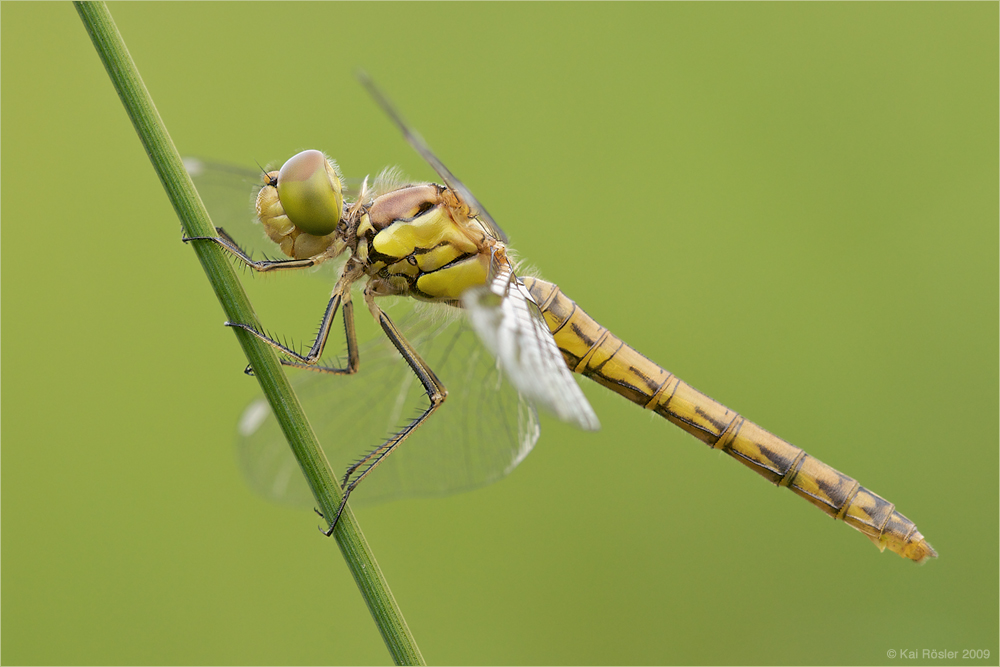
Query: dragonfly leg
{"x": 263, "y": 266}
{"x": 341, "y": 299}
{"x": 316, "y": 351}
{"x": 436, "y": 393}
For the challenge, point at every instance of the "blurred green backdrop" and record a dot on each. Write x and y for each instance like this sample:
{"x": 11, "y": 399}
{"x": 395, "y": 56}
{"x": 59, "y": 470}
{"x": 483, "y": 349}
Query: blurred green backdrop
{"x": 791, "y": 206}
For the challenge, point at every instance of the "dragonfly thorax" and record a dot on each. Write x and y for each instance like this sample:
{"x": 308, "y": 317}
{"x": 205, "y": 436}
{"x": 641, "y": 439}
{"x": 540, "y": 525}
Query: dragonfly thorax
{"x": 417, "y": 243}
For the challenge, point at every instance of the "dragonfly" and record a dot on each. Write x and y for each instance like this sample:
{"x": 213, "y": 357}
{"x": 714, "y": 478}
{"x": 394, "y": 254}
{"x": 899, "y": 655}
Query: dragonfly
{"x": 511, "y": 342}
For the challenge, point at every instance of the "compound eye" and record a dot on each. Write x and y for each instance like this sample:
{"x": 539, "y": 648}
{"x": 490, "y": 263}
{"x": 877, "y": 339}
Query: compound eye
{"x": 310, "y": 192}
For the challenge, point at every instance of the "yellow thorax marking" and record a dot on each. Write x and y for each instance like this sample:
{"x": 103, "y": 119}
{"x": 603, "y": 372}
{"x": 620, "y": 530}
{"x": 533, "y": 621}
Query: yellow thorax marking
{"x": 438, "y": 257}
{"x": 451, "y": 282}
{"x": 427, "y": 230}
{"x": 404, "y": 267}
{"x": 362, "y": 250}
{"x": 364, "y": 226}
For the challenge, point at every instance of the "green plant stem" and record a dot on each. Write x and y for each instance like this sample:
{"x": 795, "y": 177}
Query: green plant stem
{"x": 267, "y": 369}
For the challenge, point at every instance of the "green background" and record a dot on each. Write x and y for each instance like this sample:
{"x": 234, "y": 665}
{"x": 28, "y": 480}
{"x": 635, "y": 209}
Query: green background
{"x": 791, "y": 206}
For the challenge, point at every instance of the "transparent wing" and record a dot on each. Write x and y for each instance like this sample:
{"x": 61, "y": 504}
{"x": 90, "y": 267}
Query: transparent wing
{"x": 419, "y": 145}
{"x": 511, "y": 325}
{"x": 229, "y": 193}
{"x": 480, "y": 433}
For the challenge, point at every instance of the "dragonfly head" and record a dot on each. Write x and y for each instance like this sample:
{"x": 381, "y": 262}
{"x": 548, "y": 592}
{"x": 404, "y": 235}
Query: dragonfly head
{"x": 310, "y": 192}
{"x": 301, "y": 205}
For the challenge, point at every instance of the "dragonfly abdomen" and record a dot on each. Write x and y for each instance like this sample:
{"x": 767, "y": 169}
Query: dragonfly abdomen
{"x": 593, "y": 351}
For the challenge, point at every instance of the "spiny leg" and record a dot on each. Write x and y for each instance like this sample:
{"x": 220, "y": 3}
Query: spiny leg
{"x": 353, "y": 358}
{"x": 433, "y": 387}
{"x": 341, "y": 294}
{"x": 341, "y": 297}
{"x": 227, "y": 243}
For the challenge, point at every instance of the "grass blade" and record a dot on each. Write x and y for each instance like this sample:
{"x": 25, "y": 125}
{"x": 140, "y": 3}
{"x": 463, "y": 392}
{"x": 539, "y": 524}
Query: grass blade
{"x": 195, "y": 222}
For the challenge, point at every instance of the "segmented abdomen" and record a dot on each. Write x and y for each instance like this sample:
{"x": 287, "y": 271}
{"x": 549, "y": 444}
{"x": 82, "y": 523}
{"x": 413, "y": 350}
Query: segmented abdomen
{"x": 593, "y": 351}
